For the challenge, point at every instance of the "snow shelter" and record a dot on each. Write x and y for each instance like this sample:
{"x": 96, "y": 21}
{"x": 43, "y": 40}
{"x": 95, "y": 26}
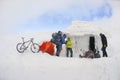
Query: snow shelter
{"x": 83, "y": 33}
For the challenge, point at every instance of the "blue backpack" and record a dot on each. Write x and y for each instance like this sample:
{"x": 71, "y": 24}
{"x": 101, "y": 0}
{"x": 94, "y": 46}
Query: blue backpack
{"x": 63, "y": 39}
{"x": 58, "y": 39}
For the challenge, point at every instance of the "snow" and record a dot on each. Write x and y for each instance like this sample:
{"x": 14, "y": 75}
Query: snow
{"x": 39, "y": 66}
{"x": 84, "y": 27}
{"x": 80, "y": 32}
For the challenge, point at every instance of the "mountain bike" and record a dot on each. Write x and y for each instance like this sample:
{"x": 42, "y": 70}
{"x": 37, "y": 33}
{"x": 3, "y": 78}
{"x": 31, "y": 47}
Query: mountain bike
{"x": 22, "y": 46}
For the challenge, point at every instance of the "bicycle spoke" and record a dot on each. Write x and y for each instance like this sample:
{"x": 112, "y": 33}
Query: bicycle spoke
{"x": 20, "y": 48}
{"x": 35, "y": 48}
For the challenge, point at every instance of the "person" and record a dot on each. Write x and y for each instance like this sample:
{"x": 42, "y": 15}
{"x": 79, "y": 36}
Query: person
{"x": 69, "y": 47}
{"x": 87, "y": 54}
{"x": 104, "y": 44}
{"x": 58, "y": 39}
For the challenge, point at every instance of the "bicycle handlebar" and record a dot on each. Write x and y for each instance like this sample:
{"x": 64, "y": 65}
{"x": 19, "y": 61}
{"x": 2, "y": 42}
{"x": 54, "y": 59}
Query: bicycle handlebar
{"x": 31, "y": 39}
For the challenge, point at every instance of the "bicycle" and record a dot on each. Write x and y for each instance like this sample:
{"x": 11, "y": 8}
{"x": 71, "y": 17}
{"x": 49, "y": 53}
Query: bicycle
{"x": 22, "y": 46}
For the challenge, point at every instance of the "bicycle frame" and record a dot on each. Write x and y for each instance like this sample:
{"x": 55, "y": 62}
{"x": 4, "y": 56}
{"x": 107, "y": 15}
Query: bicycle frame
{"x": 22, "y": 46}
{"x": 29, "y": 42}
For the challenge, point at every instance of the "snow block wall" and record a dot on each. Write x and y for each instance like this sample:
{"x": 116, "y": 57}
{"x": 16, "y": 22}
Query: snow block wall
{"x": 80, "y": 32}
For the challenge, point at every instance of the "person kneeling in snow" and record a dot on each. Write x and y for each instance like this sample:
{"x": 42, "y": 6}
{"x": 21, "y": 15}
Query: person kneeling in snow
{"x": 91, "y": 54}
{"x": 88, "y": 54}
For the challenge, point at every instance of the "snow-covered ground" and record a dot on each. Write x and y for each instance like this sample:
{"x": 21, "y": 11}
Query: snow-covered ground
{"x": 39, "y": 66}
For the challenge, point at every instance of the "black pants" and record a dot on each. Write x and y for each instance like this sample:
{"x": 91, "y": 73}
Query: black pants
{"x": 104, "y": 52}
{"x": 59, "y": 48}
{"x": 69, "y": 50}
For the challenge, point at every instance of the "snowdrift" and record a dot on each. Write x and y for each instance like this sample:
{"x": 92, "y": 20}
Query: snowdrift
{"x": 38, "y": 66}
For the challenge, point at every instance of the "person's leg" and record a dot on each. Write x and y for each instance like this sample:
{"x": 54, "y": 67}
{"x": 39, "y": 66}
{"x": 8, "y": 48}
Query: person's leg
{"x": 59, "y": 48}
{"x": 58, "y": 51}
{"x": 67, "y": 52}
{"x": 71, "y": 52}
{"x": 104, "y": 52}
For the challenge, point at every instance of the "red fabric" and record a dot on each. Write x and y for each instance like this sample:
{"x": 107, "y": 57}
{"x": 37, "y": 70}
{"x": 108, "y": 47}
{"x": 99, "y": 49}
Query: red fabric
{"x": 47, "y": 47}
{"x": 89, "y": 53}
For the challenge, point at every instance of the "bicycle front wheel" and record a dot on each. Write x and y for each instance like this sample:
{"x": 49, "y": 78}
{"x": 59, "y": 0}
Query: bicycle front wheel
{"x": 20, "y": 47}
{"x": 35, "y": 48}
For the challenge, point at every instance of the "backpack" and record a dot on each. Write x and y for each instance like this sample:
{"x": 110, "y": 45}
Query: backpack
{"x": 97, "y": 55}
{"x": 54, "y": 35}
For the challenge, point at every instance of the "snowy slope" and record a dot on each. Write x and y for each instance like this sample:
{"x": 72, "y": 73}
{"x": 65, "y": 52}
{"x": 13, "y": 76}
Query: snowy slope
{"x": 30, "y": 66}
{"x": 39, "y": 66}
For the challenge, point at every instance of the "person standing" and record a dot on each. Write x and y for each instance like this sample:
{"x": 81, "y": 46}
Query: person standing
{"x": 69, "y": 47}
{"x": 58, "y": 39}
{"x": 104, "y": 44}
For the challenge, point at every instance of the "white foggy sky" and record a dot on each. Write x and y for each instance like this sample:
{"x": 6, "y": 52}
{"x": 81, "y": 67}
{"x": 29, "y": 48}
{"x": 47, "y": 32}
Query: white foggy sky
{"x": 14, "y": 11}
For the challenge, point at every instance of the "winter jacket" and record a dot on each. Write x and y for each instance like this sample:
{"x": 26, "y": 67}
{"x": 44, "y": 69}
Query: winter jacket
{"x": 58, "y": 39}
{"x": 69, "y": 43}
{"x": 104, "y": 40}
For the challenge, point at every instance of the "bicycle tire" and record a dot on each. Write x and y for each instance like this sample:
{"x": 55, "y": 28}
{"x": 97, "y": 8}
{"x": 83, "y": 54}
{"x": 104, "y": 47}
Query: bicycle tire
{"x": 35, "y": 48}
{"x": 20, "y": 48}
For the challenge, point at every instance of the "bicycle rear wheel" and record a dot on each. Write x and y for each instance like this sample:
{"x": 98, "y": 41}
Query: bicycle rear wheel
{"x": 20, "y": 47}
{"x": 35, "y": 48}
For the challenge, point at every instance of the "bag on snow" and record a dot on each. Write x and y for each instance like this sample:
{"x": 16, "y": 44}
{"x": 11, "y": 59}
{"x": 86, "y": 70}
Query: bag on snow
{"x": 47, "y": 47}
{"x": 97, "y": 55}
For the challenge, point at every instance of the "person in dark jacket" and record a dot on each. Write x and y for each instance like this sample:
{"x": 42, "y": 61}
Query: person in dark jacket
{"x": 104, "y": 44}
{"x": 58, "y": 39}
